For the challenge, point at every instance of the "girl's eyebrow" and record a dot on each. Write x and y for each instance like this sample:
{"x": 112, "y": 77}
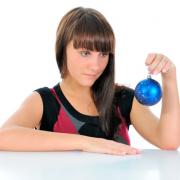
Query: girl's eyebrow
{"x": 83, "y": 49}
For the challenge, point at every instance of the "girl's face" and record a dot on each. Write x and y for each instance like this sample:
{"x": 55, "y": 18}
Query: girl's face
{"x": 85, "y": 66}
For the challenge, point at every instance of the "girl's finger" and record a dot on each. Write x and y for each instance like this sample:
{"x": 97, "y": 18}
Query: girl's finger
{"x": 167, "y": 67}
{"x": 122, "y": 151}
{"x": 155, "y": 63}
{"x": 160, "y": 66}
{"x": 150, "y": 58}
{"x": 130, "y": 150}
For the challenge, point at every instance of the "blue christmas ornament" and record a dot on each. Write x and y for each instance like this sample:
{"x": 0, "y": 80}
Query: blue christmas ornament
{"x": 148, "y": 91}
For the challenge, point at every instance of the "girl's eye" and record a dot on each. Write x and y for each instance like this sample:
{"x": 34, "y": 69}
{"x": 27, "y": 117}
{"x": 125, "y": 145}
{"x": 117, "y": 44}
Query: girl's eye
{"x": 104, "y": 54}
{"x": 84, "y": 53}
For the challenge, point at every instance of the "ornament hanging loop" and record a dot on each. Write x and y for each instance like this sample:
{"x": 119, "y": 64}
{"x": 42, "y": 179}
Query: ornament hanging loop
{"x": 148, "y": 76}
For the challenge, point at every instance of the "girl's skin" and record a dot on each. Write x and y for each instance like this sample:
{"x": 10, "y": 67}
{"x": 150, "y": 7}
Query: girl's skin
{"x": 18, "y": 132}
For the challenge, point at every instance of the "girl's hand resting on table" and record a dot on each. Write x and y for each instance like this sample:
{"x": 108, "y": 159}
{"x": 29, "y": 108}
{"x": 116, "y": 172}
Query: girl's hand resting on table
{"x": 100, "y": 145}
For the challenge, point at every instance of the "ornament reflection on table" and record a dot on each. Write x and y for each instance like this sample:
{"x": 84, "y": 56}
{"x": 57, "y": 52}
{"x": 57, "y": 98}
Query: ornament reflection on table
{"x": 148, "y": 91}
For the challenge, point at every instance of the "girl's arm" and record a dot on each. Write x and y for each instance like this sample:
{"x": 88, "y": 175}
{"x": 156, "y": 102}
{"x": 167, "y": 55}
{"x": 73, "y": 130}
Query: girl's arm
{"x": 165, "y": 131}
{"x": 18, "y": 134}
{"x": 17, "y": 138}
{"x": 169, "y": 126}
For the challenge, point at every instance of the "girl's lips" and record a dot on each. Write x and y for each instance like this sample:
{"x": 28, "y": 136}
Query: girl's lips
{"x": 90, "y": 75}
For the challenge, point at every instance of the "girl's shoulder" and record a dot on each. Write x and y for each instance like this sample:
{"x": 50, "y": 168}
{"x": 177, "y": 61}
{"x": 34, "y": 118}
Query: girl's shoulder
{"x": 46, "y": 95}
{"x": 123, "y": 92}
{"x": 44, "y": 91}
{"x": 50, "y": 108}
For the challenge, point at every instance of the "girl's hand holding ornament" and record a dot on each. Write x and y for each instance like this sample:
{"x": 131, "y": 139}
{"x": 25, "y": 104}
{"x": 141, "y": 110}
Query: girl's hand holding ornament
{"x": 148, "y": 91}
{"x": 159, "y": 63}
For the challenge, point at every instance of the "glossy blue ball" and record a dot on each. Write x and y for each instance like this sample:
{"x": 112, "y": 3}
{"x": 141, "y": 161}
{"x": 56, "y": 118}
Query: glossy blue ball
{"x": 148, "y": 92}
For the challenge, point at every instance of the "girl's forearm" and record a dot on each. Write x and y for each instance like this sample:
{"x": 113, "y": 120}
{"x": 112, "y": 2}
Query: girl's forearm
{"x": 169, "y": 126}
{"x": 26, "y": 139}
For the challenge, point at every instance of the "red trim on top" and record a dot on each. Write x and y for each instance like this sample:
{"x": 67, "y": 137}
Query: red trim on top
{"x": 63, "y": 123}
{"x": 123, "y": 130}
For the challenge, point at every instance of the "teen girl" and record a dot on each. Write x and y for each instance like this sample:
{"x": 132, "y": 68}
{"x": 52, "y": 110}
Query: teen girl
{"x": 86, "y": 110}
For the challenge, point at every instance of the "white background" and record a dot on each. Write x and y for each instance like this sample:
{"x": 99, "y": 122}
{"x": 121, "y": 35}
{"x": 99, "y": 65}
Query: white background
{"x": 27, "y": 38}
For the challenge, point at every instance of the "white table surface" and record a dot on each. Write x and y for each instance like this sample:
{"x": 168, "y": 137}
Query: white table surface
{"x": 149, "y": 165}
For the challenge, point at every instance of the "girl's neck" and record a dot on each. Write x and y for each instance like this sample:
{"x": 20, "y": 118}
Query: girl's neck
{"x": 80, "y": 97}
{"x": 75, "y": 90}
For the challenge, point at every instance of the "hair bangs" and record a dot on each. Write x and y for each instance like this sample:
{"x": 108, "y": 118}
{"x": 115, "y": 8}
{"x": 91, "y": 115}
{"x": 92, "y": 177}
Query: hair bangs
{"x": 91, "y": 34}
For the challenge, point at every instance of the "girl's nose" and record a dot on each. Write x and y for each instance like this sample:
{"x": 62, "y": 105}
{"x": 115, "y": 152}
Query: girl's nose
{"x": 95, "y": 64}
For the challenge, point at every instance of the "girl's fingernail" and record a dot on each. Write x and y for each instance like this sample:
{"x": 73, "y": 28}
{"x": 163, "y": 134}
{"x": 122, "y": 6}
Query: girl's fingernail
{"x": 155, "y": 72}
{"x": 138, "y": 151}
{"x": 163, "y": 70}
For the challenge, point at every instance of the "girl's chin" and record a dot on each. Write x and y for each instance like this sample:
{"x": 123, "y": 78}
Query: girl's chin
{"x": 88, "y": 83}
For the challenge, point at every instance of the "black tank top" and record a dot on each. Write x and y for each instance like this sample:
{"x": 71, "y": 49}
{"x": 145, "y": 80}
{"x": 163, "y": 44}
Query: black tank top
{"x": 82, "y": 124}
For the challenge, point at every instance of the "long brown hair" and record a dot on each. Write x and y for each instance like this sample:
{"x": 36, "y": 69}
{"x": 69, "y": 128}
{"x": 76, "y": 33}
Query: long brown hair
{"x": 89, "y": 29}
